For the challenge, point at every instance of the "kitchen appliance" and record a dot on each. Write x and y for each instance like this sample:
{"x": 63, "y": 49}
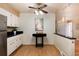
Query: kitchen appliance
{"x": 14, "y": 31}
{"x": 3, "y": 35}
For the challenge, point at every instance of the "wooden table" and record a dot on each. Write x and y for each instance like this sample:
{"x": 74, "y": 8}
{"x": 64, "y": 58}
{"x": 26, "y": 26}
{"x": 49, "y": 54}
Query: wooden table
{"x": 42, "y": 35}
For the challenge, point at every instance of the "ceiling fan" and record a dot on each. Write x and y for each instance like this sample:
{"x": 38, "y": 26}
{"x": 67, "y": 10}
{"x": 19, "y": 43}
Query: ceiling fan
{"x": 39, "y": 7}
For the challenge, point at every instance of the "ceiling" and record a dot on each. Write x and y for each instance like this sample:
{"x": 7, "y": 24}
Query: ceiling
{"x": 51, "y": 7}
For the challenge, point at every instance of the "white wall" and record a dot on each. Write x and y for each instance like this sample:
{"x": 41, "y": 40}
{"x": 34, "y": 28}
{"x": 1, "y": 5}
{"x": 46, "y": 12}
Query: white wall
{"x": 27, "y": 24}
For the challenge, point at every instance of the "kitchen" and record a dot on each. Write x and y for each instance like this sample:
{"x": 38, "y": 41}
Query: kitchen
{"x": 11, "y": 22}
{"x": 20, "y": 25}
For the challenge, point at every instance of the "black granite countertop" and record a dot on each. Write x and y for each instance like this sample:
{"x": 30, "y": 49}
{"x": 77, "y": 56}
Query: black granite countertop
{"x": 72, "y": 38}
{"x": 11, "y": 34}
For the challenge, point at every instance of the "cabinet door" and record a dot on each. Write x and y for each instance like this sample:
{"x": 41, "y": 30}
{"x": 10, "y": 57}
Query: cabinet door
{"x": 19, "y": 40}
{"x": 13, "y": 20}
{"x": 18, "y": 43}
{"x": 9, "y": 19}
{"x": 16, "y": 21}
{"x": 11, "y": 48}
{"x": 65, "y": 45}
{"x": 21, "y": 37}
{"x": 11, "y": 45}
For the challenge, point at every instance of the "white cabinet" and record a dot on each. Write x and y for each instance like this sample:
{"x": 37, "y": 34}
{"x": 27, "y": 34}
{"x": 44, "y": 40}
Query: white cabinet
{"x": 18, "y": 40}
{"x": 12, "y": 20}
{"x": 15, "y": 22}
{"x": 9, "y": 19}
{"x": 13, "y": 43}
{"x": 65, "y": 45}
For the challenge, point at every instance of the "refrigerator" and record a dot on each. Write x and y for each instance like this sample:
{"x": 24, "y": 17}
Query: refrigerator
{"x": 3, "y": 35}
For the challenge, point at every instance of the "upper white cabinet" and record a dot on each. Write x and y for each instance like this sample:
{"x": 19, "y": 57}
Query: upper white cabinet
{"x": 16, "y": 22}
{"x": 12, "y": 20}
{"x": 9, "y": 20}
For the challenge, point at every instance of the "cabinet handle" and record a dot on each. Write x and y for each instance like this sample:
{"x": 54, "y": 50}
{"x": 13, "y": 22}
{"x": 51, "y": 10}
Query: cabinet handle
{"x": 72, "y": 41}
{"x": 16, "y": 46}
{"x": 11, "y": 43}
{"x": 11, "y": 24}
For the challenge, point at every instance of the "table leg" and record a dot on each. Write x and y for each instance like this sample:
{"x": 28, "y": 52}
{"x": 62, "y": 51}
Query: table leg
{"x": 36, "y": 41}
{"x": 42, "y": 41}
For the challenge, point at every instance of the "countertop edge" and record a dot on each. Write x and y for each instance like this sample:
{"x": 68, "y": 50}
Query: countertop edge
{"x": 71, "y": 38}
{"x": 14, "y": 35}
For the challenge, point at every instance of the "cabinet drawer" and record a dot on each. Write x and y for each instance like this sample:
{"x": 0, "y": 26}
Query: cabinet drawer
{"x": 11, "y": 48}
{"x": 11, "y": 39}
{"x": 13, "y": 43}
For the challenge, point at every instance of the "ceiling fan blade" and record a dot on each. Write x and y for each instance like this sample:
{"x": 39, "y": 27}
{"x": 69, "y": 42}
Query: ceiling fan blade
{"x": 44, "y": 11}
{"x": 43, "y": 6}
{"x": 32, "y": 7}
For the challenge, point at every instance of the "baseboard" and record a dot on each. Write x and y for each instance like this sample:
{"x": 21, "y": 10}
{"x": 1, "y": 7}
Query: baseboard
{"x": 59, "y": 50}
{"x": 35, "y": 44}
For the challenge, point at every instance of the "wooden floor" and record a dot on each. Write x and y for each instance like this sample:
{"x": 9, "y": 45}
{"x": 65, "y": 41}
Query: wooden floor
{"x": 77, "y": 47}
{"x": 47, "y": 50}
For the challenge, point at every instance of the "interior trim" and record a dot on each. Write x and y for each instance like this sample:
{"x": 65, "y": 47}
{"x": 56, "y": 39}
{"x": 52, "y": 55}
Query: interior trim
{"x": 71, "y": 38}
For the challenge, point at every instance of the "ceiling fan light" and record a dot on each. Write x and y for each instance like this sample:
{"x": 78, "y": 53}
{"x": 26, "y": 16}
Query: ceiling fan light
{"x": 41, "y": 12}
{"x": 36, "y": 12}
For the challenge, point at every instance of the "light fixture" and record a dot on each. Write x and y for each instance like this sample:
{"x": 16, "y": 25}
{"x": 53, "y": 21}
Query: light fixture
{"x": 36, "y": 12}
{"x": 41, "y": 12}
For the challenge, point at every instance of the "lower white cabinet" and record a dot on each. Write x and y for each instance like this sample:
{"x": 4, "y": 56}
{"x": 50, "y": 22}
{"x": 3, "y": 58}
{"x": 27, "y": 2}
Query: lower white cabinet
{"x": 66, "y": 46}
{"x": 13, "y": 43}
